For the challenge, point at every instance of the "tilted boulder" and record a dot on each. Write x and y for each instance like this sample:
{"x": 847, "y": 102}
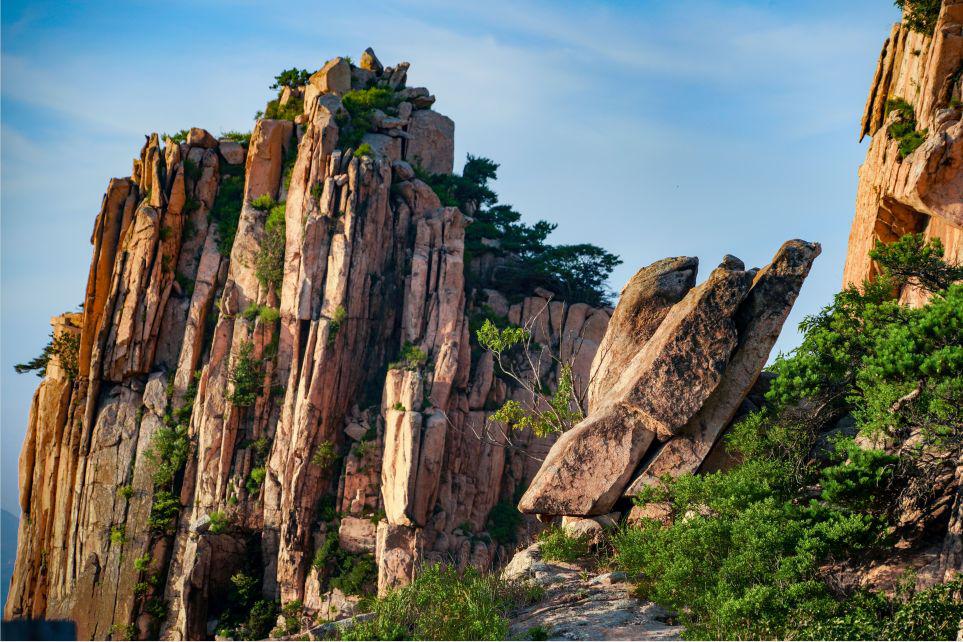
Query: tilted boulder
{"x": 759, "y": 320}
{"x": 660, "y": 389}
{"x": 643, "y": 304}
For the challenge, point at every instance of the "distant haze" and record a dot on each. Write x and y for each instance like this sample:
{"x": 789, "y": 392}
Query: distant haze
{"x": 653, "y": 129}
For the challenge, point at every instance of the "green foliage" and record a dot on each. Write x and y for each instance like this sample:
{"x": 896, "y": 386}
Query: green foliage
{"x": 914, "y": 260}
{"x": 400, "y": 407}
{"x": 269, "y": 264}
{"x": 903, "y": 129}
{"x": 577, "y": 273}
{"x": 334, "y": 325}
{"x": 324, "y": 455}
{"x": 246, "y": 617}
{"x": 441, "y": 605}
{"x": 265, "y": 313}
{"x": 126, "y": 491}
{"x": 179, "y": 137}
{"x": 65, "y": 346}
{"x": 503, "y": 521}
{"x": 226, "y": 211}
{"x": 168, "y": 453}
{"x": 245, "y": 376}
{"x": 163, "y": 512}
{"x": 558, "y": 546}
{"x": 364, "y": 150}
{"x": 288, "y": 111}
{"x": 292, "y": 78}
{"x": 360, "y": 106}
{"x": 920, "y": 15}
{"x": 142, "y": 563}
{"x": 118, "y": 534}
{"x": 264, "y": 202}
{"x": 219, "y": 522}
{"x": 352, "y": 574}
{"x": 501, "y": 341}
{"x": 234, "y": 136}
{"x": 411, "y": 358}
{"x": 255, "y": 480}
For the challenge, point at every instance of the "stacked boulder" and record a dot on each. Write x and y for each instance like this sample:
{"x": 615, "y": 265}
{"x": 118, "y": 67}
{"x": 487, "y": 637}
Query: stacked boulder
{"x": 673, "y": 370}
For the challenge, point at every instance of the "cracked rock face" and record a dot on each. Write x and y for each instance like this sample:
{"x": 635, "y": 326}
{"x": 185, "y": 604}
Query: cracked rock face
{"x": 315, "y": 445}
{"x": 923, "y": 192}
{"x": 686, "y": 358}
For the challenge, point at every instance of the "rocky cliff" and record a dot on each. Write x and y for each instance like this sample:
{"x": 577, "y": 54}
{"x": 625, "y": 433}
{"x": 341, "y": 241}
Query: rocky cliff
{"x": 910, "y": 181}
{"x": 273, "y": 362}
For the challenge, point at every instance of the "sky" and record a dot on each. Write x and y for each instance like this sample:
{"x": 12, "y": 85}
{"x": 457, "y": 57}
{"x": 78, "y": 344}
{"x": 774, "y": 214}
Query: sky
{"x": 650, "y": 128}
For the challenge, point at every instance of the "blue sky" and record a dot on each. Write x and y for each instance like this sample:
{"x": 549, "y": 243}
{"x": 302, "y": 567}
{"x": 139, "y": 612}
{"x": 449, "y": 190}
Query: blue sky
{"x": 697, "y": 127}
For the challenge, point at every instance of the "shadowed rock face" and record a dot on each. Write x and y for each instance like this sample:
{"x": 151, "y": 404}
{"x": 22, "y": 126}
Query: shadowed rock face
{"x": 678, "y": 388}
{"x": 174, "y": 309}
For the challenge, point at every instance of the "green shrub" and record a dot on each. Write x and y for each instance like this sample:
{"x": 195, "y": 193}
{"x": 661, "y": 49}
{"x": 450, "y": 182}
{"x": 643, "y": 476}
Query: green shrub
{"x": 168, "y": 453}
{"x": 264, "y": 202}
{"x": 558, "y": 546}
{"x": 360, "y": 106}
{"x": 269, "y": 263}
{"x": 334, "y": 325}
{"x": 292, "y": 78}
{"x": 179, "y": 137}
{"x": 163, "y": 512}
{"x": 920, "y": 15}
{"x": 245, "y": 376}
{"x": 118, "y": 534}
{"x": 903, "y": 129}
{"x": 255, "y": 480}
{"x": 142, "y": 563}
{"x": 65, "y": 346}
{"x": 411, "y": 358}
{"x": 289, "y": 111}
{"x": 243, "y": 138}
{"x": 126, "y": 491}
{"x": 364, "y": 149}
{"x": 226, "y": 211}
{"x": 218, "y": 523}
{"x": 441, "y": 605}
{"x": 912, "y": 259}
{"x": 324, "y": 455}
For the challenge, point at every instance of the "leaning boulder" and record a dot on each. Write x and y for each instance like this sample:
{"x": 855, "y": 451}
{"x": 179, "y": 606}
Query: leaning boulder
{"x": 643, "y": 304}
{"x": 758, "y": 321}
{"x": 661, "y": 387}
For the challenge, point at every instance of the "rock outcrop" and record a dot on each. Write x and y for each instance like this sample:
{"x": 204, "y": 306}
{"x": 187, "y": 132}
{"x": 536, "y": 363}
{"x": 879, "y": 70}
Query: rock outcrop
{"x": 225, "y": 418}
{"x": 921, "y": 192}
{"x": 683, "y": 369}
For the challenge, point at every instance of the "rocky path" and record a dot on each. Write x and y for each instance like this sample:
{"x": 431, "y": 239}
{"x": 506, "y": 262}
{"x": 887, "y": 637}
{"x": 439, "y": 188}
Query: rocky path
{"x": 581, "y": 603}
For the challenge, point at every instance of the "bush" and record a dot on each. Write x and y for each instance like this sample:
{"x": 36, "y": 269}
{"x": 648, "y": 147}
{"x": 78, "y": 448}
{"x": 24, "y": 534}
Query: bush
{"x": 441, "y": 605}
{"x": 264, "y": 202}
{"x": 558, "y": 546}
{"x": 334, "y": 325}
{"x": 226, "y": 211}
{"x": 168, "y": 453}
{"x": 324, "y": 455}
{"x": 245, "y": 376}
{"x": 218, "y": 523}
{"x": 269, "y": 263}
{"x": 411, "y": 358}
{"x": 364, "y": 150}
{"x": 289, "y": 111}
{"x": 65, "y": 346}
{"x": 920, "y": 15}
{"x": 118, "y": 534}
{"x": 360, "y": 106}
{"x": 255, "y": 480}
{"x": 234, "y": 136}
{"x": 292, "y": 78}
{"x": 352, "y": 574}
{"x": 903, "y": 129}
{"x": 179, "y": 137}
{"x": 163, "y": 512}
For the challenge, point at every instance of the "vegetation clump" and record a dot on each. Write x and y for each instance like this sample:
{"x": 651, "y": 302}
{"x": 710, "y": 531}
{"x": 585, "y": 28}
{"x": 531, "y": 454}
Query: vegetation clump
{"x": 576, "y": 273}
{"x": 411, "y": 358}
{"x": 269, "y": 263}
{"x": 245, "y": 376}
{"x": 558, "y": 546}
{"x": 65, "y": 346}
{"x": 360, "y": 106}
{"x": 903, "y": 129}
{"x": 920, "y": 15}
{"x": 226, "y": 211}
{"x": 440, "y": 604}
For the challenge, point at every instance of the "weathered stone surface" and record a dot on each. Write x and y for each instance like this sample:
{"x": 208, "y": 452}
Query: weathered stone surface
{"x": 398, "y": 554}
{"x": 921, "y": 193}
{"x": 369, "y": 61}
{"x": 334, "y": 77}
{"x": 431, "y": 143}
{"x": 233, "y": 153}
{"x": 357, "y": 535}
{"x": 643, "y": 304}
{"x": 198, "y": 137}
{"x": 759, "y": 320}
